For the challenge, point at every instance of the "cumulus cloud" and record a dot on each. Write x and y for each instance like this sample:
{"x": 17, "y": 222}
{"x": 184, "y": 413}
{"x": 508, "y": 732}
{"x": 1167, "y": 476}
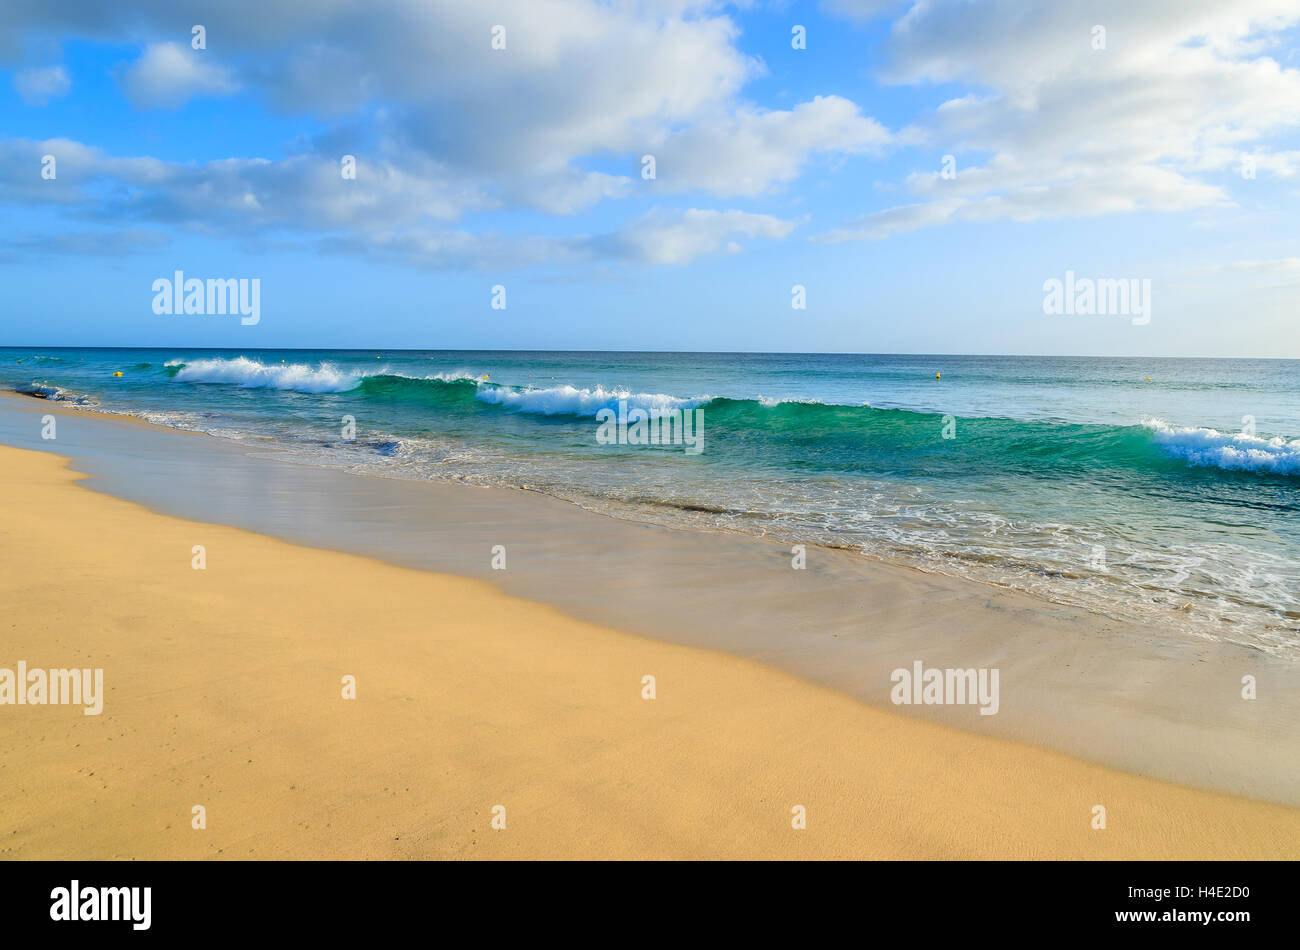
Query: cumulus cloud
{"x": 752, "y": 151}
{"x": 38, "y": 86}
{"x": 168, "y": 75}
{"x": 578, "y": 82}
{"x": 1181, "y": 93}
{"x": 443, "y": 125}
{"x": 75, "y": 166}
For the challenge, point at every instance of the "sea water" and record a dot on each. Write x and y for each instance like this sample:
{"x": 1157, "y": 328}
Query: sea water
{"x": 1146, "y": 489}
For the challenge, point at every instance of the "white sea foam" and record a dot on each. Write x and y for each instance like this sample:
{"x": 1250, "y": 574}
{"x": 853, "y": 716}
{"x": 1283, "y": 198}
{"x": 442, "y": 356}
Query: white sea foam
{"x": 252, "y": 374}
{"x": 569, "y": 400}
{"x": 1227, "y": 450}
{"x": 771, "y": 402}
{"x": 298, "y": 377}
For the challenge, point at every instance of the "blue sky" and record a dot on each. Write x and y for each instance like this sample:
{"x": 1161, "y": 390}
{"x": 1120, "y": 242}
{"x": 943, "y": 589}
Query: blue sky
{"x": 775, "y": 166}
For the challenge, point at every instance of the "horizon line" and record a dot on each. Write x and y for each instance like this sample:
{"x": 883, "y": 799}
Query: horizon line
{"x": 403, "y": 349}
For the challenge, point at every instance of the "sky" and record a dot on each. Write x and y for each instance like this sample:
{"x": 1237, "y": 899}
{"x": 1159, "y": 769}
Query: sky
{"x": 920, "y": 170}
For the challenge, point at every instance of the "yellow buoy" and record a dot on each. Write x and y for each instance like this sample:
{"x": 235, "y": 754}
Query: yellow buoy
{"x": 118, "y": 373}
{"x": 937, "y": 376}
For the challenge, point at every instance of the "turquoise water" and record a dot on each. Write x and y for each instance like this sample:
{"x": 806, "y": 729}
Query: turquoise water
{"x": 1161, "y": 490}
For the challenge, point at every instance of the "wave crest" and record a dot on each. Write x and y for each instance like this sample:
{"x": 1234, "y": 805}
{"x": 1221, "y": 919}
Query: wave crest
{"x": 571, "y": 401}
{"x": 253, "y": 374}
{"x": 1232, "y": 451}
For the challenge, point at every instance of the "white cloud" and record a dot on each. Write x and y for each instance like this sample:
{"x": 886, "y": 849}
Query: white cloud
{"x": 38, "y": 86}
{"x": 676, "y": 237}
{"x": 1182, "y": 91}
{"x": 76, "y": 166}
{"x": 168, "y": 75}
{"x": 579, "y": 81}
{"x": 384, "y": 211}
{"x": 752, "y": 151}
{"x": 303, "y": 192}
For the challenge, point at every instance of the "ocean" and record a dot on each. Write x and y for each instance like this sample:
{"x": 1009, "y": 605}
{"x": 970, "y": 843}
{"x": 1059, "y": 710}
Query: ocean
{"x": 1161, "y": 491}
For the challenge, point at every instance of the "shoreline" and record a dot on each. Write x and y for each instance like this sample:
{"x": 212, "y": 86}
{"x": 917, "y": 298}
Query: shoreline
{"x": 1117, "y": 616}
{"x": 222, "y": 689}
{"x": 1134, "y": 604}
{"x": 1141, "y": 701}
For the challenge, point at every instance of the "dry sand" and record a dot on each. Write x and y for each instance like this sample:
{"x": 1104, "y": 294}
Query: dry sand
{"x": 223, "y": 689}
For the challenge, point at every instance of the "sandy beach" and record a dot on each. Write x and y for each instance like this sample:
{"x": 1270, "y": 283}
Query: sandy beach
{"x": 1143, "y": 698}
{"x": 223, "y": 688}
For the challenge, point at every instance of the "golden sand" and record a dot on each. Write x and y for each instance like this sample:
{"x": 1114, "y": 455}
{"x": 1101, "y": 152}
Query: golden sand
{"x": 223, "y": 689}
